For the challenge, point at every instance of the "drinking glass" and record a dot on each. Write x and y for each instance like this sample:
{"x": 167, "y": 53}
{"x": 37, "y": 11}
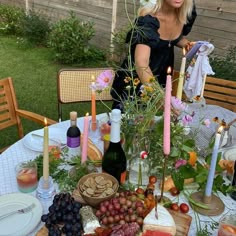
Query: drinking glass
{"x": 54, "y": 147}
{"x": 26, "y": 176}
{"x": 227, "y": 225}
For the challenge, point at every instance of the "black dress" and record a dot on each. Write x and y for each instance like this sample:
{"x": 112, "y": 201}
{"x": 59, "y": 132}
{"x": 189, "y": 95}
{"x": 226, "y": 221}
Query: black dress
{"x": 161, "y": 57}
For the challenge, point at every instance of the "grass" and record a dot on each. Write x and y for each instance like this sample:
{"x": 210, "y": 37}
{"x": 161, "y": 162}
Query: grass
{"x": 34, "y": 76}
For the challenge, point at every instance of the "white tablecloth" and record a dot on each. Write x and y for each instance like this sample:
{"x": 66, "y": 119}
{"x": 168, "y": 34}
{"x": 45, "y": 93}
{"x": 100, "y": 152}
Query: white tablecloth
{"x": 18, "y": 152}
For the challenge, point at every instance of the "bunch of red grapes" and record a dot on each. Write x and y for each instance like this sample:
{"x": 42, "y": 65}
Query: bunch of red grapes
{"x": 126, "y": 207}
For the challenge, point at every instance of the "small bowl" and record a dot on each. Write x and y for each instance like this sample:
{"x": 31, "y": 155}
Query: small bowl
{"x": 102, "y": 190}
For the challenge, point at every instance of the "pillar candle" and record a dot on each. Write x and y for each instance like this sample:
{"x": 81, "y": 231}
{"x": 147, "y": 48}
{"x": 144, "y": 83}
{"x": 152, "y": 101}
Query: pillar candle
{"x": 94, "y": 125}
{"x": 166, "y": 134}
{"x": 181, "y": 77}
{"x": 211, "y": 173}
{"x": 85, "y": 139}
{"x": 45, "y": 152}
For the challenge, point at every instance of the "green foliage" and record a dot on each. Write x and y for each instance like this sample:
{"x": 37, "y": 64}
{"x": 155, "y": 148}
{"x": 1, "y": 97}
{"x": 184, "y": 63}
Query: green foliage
{"x": 35, "y": 28}
{"x": 70, "y": 41}
{"x": 10, "y": 19}
{"x": 120, "y": 47}
{"x": 225, "y": 67}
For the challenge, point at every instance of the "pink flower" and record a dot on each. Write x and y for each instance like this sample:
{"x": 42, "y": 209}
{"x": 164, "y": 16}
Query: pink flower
{"x": 177, "y": 104}
{"x": 104, "y": 79}
{"x": 187, "y": 119}
{"x": 179, "y": 163}
{"x": 207, "y": 123}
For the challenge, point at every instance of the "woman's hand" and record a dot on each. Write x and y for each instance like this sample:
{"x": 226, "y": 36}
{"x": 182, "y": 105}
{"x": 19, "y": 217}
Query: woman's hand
{"x": 189, "y": 45}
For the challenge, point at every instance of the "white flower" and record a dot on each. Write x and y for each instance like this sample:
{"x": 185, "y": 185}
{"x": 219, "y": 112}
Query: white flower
{"x": 148, "y": 3}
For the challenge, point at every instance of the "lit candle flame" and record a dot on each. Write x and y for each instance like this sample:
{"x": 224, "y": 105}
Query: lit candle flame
{"x": 169, "y": 70}
{"x": 219, "y": 131}
{"x": 184, "y": 52}
{"x": 45, "y": 121}
{"x": 93, "y": 78}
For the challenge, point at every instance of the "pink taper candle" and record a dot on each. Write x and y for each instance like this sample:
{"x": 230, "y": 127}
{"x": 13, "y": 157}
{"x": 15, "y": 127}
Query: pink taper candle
{"x": 85, "y": 139}
{"x": 166, "y": 135}
{"x": 94, "y": 125}
{"x": 45, "y": 152}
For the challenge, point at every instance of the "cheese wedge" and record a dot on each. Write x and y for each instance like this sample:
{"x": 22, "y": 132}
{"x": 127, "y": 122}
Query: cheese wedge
{"x": 164, "y": 223}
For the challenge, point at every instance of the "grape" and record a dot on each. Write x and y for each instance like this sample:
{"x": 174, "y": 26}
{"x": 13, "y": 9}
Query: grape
{"x": 44, "y": 218}
{"x": 105, "y": 220}
{"x": 122, "y": 200}
{"x": 98, "y": 213}
{"x": 122, "y": 222}
{"x": 110, "y": 219}
{"x": 117, "y": 206}
{"x": 110, "y": 207}
{"x": 103, "y": 209}
{"x": 116, "y": 218}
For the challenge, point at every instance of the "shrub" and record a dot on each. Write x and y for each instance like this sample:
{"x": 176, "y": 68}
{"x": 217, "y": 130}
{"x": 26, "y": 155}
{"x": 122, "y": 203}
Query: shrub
{"x": 70, "y": 38}
{"x": 35, "y": 28}
{"x": 225, "y": 67}
{"x": 10, "y": 19}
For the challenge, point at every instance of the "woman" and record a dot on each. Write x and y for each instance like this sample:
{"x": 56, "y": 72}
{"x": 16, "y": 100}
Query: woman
{"x": 161, "y": 25}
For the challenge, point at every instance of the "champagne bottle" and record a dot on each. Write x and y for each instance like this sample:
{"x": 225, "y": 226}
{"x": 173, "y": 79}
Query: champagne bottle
{"x": 73, "y": 136}
{"x": 114, "y": 160}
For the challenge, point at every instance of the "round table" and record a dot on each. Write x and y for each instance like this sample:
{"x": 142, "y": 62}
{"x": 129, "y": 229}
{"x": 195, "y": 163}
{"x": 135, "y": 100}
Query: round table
{"x": 19, "y": 152}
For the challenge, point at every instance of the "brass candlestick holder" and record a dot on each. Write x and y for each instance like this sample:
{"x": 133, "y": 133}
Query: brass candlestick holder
{"x": 213, "y": 204}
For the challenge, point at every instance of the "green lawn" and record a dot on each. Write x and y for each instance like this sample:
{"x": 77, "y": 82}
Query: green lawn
{"x": 34, "y": 76}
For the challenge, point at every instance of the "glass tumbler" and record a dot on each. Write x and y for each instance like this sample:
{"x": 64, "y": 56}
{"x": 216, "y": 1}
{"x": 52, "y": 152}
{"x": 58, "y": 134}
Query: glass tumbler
{"x": 26, "y": 176}
{"x": 227, "y": 225}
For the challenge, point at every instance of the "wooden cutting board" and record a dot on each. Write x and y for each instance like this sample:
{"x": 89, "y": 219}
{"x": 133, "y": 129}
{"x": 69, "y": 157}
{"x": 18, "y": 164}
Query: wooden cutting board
{"x": 182, "y": 222}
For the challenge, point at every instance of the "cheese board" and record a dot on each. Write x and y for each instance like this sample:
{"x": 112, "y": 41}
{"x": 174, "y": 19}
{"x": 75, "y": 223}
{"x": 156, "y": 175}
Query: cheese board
{"x": 182, "y": 221}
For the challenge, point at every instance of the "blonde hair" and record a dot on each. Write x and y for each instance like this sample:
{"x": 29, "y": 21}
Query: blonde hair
{"x": 183, "y": 12}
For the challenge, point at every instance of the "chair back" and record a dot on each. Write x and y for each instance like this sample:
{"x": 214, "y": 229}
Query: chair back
{"x": 8, "y": 106}
{"x": 73, "y": 86}
{"x": 220, "y": 92}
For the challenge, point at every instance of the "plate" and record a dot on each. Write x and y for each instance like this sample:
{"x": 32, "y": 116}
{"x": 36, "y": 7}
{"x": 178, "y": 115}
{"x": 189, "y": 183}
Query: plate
{"x": 230, "y": 154}
{"x": 19, "y": 224}
{"x": 34, "y": 139}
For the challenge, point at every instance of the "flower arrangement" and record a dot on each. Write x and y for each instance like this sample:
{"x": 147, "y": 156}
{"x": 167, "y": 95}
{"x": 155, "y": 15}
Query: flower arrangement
{"x": 142, "y": 119}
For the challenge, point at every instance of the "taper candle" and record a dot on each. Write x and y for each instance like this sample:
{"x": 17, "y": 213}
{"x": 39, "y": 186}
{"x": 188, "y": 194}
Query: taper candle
{"x": 85, "y": 139}
{"x": 181, "y": 77}
{"x": 45, "y": 152}
{"x": 166, "y": 134}
{"x": 211, "y": 174}
{"x": 94, "y": 124}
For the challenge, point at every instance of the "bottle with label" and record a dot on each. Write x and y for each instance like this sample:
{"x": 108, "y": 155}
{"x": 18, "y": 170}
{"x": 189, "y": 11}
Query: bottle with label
{"x": 73, "y": 136}
{"x": 114, "y": 160}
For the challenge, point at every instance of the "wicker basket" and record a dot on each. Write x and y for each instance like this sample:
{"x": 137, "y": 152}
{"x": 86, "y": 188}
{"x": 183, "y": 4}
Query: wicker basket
{"x": 96, "y": 200}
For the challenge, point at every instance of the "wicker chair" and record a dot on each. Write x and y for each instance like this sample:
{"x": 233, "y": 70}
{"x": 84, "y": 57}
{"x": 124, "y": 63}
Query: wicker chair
{"x": 10, "y": 114}
{"x": 73, "y": 86}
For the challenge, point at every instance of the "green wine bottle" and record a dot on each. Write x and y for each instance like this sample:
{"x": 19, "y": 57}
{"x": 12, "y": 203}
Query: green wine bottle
{"x": 114, "y": 160}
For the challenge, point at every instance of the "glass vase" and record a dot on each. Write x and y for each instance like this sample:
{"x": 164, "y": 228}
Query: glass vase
{"x": 139, "y": 165}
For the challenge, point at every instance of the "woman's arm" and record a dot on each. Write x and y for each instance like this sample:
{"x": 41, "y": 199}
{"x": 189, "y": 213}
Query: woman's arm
{"x": 141, "y": 56}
